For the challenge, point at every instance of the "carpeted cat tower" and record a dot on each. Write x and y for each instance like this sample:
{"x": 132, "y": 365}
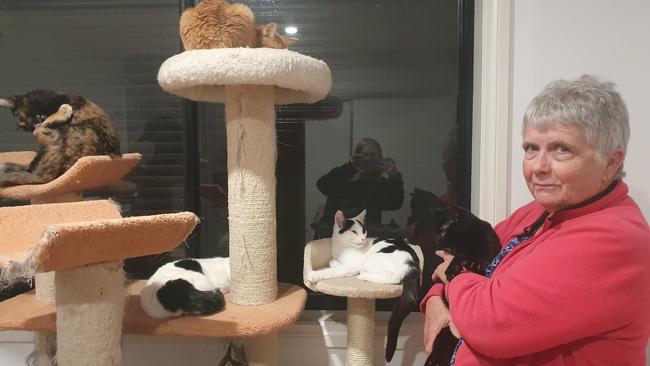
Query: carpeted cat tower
{"x": 360, "y": 296}
{"x": 250, "y": 81}
{"x": 84, "y": 244}
{"x": 87, "y": 173}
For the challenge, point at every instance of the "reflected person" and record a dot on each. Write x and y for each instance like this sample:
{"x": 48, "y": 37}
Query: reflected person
{"x": 368, "y": 179}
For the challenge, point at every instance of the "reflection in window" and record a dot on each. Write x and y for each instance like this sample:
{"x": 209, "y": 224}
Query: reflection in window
{"x": 396, "y": 71}
{"x": 398, "y": 86}
{"x": 108, "y": 52}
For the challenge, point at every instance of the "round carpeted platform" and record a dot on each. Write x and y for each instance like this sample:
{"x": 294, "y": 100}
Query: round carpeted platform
{"x": 201, "y": 75}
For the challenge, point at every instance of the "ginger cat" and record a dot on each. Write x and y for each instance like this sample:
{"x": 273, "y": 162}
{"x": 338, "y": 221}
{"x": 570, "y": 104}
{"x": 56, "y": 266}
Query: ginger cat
{"x": 218, "y": 24}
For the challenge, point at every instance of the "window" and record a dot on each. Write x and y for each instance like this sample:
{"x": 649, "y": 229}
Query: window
{"x": 402, "y": 76}
{"x": 108, "y": 52}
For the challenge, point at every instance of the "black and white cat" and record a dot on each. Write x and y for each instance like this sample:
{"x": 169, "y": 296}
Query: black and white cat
{"x": 387, "y": 261}
{"x": 187, "y": 286}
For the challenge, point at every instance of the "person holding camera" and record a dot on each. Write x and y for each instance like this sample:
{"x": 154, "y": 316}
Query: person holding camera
{"x": 367, "y": 181}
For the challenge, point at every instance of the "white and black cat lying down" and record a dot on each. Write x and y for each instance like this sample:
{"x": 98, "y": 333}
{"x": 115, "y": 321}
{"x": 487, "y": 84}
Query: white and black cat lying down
{"x": 187, "y": 286}
{"x": 380, "y": 260}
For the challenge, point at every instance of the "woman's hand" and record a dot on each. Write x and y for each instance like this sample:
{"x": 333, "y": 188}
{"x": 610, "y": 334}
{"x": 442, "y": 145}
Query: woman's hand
{"x": 436, "y": 319}
{"x": 439, "y": 273}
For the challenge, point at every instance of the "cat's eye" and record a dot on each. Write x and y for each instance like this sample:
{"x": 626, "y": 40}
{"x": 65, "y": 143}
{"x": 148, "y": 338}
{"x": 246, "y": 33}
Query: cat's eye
{"x": 354, "y": 231}
{"x": 40, "y": 118}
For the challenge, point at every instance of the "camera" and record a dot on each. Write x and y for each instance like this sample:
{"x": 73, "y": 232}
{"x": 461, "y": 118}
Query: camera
{"x": 372, "y": 165}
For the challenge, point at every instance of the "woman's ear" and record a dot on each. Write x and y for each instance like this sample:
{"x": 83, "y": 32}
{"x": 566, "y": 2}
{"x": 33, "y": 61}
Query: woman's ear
{"x": 613, "y": 165}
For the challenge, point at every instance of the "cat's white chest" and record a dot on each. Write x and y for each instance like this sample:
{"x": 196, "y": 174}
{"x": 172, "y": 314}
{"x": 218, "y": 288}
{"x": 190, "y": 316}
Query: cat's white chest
{"x": 351, "y": 257}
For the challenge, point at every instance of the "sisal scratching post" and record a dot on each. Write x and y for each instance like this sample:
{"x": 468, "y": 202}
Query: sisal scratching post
{"x": 250, "y": 129}
{"x": 360, "y": 295}
{"x": 89, "y": 309}
{"x": 361, "y": 330}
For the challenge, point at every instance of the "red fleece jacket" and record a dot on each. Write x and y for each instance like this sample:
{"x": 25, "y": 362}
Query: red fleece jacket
{"x": 578, "y": 293}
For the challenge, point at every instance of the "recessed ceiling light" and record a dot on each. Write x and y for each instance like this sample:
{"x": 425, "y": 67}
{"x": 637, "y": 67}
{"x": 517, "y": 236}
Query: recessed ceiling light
{"x": 291, "y": 30}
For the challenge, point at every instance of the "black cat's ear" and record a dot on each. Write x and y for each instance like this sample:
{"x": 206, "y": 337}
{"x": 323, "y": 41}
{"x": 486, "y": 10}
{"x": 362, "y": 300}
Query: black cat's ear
{"x": 8, "y": 102}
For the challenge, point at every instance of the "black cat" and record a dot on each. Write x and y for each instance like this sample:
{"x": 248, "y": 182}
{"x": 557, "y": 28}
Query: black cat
{"x": 436, "y": 225}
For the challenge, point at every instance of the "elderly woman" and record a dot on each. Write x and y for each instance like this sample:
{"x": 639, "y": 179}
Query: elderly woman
{"x": 571, "y": 285}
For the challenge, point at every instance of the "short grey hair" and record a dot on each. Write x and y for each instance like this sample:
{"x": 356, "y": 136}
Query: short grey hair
{"x": 587, "y": 102}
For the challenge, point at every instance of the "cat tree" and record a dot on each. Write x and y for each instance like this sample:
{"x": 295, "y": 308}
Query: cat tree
{"x": 88, "y": 172}
{"x": 89, "y": 324}
{"x": 360, "y": 295}
{"x": 250, "y": 81}
{"x": 84, "y": 244}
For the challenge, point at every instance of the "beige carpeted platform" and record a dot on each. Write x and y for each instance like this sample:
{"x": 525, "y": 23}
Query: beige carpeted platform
{"x": 87, "y": 173}
{"x": 22, "y": 227}
{"x": 318, "y": 254}
{"x": 17, "y": 157}
{"x": 23, "y": 312}
{"x": 65, "y": 235}
{"x": 201, "y": 75}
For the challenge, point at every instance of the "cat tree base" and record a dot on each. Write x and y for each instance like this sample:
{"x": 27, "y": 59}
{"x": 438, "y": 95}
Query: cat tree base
{"x": 23, "y": 312}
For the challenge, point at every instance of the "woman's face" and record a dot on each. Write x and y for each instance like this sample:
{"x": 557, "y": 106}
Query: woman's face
{"x": 561, "y": 168}
{"x": 369, "y": 151}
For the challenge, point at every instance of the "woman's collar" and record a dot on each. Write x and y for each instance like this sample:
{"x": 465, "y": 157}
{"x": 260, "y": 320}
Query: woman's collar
{"x": 614, "y": 190}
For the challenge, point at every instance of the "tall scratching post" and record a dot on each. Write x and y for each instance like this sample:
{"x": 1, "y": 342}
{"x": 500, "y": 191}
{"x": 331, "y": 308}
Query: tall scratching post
{"x": 250, "y": 126}
{"x": 250, "y": 81}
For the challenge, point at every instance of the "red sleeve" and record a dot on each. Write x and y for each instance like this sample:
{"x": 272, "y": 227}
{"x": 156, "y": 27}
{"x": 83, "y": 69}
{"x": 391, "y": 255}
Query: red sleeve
{"x": 438, "y": 289}
{"x": 578, "y": 282}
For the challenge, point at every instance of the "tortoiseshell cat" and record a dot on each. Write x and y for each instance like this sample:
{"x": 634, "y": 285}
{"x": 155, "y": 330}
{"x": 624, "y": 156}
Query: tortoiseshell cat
{"x": 471, "y": 240}
{"x": 218, "y": 24}
{"x": 66, "y": 127}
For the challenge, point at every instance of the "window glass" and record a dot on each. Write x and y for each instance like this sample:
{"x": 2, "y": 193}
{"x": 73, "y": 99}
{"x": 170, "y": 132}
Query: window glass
{"x": 397, "y": 81}
{"x": 108, "y": 52}
{"x": 395, "y": 69}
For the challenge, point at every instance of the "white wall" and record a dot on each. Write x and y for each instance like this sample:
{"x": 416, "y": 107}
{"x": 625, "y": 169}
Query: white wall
{"x": 555, "y": 39}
